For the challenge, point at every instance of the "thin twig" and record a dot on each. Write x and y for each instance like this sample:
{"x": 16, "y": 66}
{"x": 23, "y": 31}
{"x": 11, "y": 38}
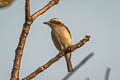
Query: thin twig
{"x": 27, "y": 10}
{"x": 44, "y": 9}
{"x": 107, "y": 74}
{"x": 87, "y": 79}
{"x": 78, "y": 66}
{"x": 56, "y": 58}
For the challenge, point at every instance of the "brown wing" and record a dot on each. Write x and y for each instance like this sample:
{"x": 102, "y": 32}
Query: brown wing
{"x": 68, "y": 31}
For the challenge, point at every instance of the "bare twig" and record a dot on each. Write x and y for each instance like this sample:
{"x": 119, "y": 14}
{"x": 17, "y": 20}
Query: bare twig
{"x": 21, "y": 44}
{"x": 27, "y": 10}
{"x": 78, "y": 66}
{"x": 87, "y": 79}
{"x": 56, "y": 58}
{"x": 23, "y": 36}
{"x": 44, "y": 9}
{"x": 107, "y": 74}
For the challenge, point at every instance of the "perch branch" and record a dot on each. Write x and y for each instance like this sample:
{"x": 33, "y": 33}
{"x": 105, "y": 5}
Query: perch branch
{"x": 23, "y": 36}
{"x": 44, "y": 9}
{"x": 56, "y": 58}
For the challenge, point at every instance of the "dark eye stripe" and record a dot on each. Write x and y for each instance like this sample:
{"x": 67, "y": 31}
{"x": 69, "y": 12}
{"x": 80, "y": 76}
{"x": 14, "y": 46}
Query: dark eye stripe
{"x": 55, "y": 22}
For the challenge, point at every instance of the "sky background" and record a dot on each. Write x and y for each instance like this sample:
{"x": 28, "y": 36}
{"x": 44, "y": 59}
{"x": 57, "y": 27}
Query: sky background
{"x": 98, "y": 18}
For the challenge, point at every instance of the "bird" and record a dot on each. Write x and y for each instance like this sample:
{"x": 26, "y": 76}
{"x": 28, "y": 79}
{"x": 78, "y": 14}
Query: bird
{"x": 61, "y": 38}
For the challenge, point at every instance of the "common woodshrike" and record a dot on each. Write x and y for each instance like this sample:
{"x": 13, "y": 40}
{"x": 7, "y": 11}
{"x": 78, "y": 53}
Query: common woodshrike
{"x": 62, "y": 38}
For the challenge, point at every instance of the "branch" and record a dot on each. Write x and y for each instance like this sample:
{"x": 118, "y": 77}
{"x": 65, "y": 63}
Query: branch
{"x": 24, "y": 34}
{"x": 19, "y": 52}
{"x": 27, "y": 10}
{"x": 79, "y": 65}
{"x": 44, "y": 9}
{"x": 87, "y": 79}
{"x": 107, "y": 74}
{"x": 56, "y": 58}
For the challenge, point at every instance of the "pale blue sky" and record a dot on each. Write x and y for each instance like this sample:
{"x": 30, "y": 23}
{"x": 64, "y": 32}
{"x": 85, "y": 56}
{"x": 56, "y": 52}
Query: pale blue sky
{"x": 98, "y": 18}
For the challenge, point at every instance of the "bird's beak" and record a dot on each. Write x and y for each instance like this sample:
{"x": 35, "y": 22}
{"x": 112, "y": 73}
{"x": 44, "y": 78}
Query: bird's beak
{"x": 46, "y": 22}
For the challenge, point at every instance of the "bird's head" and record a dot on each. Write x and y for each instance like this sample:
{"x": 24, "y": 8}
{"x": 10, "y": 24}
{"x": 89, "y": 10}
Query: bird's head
{"x": 54, "y": 22}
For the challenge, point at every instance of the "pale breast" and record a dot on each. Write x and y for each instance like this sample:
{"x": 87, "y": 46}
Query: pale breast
{"x": 61, "y": 38}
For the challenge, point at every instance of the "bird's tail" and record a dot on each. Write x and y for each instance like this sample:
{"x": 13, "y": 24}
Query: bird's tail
{"x": 68, "y": 61}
